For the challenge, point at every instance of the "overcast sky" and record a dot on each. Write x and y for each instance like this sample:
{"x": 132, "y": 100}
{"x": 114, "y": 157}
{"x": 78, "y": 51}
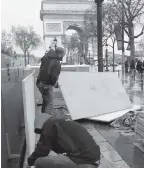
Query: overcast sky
{"x": 23, "y": 12}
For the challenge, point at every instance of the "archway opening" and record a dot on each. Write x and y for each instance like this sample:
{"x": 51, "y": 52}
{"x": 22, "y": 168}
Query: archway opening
{"x": 76, "y": 45}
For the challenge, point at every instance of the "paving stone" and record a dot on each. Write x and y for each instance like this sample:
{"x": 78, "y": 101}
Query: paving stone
{"x": 93, "y": 132}
{"x": 88, "y": 126}
{"x": 105, "y": 146}
{"x": 111, "y": 156}
{"x": 120, "y": 164}
{"x": 99, "y": 138}
{"x": 90, "y": 129}
{"x": 105, "y": 163}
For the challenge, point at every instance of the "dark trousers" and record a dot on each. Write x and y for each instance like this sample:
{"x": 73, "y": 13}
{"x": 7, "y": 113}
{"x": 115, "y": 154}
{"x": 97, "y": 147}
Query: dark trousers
{"x": 60, "y": 161}
{"x": 47, "y": 97}
{"x": 126, "y": 69}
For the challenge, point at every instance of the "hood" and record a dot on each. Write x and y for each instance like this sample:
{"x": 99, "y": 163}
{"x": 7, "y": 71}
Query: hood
{"x": 52, "y": 54}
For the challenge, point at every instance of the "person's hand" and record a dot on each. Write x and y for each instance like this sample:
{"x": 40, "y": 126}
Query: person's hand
{"x": 31, "y": 160}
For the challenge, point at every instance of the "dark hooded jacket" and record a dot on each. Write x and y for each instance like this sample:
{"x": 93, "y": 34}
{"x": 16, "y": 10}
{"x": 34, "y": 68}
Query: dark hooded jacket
{"x": 50, "y": 68}
{"x": 132, "y": 64}
{"x": 67, "y": 137}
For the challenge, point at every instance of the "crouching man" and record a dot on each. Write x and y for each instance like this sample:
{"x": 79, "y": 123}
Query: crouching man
{"x": 74, "y": 146}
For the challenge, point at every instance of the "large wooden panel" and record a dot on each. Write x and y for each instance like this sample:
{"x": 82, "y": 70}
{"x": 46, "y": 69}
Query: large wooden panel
{"x": 28, "y": 88}
{"x": 92, "y": 94}
{"x": 114, "y": 115}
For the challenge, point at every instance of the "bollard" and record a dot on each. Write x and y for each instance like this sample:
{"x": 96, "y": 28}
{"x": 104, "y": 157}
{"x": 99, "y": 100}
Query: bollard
{"x": 142, "y": 81}
{"x": 8, "y": 72}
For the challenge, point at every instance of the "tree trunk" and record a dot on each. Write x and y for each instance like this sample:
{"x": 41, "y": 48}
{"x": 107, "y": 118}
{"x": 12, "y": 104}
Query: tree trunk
{"x": 114, "y": 41}
{"x": 28, "y": 58}
{"x": 131, "y": 39}
{"x": 25, "y": 58}
{"x": 113, "y": 58}
{"x": 86, "y": 51}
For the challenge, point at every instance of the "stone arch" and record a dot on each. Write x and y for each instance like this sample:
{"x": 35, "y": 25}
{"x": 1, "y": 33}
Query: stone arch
{"x": 59, "y": 15}
{"x": 76, "y": 25}
{"x": 79, "y": 27}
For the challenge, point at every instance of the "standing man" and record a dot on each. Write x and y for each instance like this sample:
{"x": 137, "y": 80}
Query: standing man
{"x": 132, "y": 68}
{"x": 73, "y": 144}
{"x": 138, "y": 66}
{"x": 126, "y": 66}
{"x": 141, "y": 67}
{"x": 48, "y": 77}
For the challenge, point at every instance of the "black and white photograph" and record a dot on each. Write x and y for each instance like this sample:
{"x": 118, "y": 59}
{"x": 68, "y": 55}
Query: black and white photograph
{"x": 72, "y": 83}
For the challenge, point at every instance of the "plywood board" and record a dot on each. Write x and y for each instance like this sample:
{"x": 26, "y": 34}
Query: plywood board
{"x": 112, "y": 116}
{"x": 91, "y": 94}
{"x": 29, "y": 111}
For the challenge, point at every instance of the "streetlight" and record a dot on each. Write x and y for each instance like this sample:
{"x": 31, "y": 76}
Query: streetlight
{"x": 106, "y": 57}
{"x": 55, "y": 42}
{"x": 99, "y": 34}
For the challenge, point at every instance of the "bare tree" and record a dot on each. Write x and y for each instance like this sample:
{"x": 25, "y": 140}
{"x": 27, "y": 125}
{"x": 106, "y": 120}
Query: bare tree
{"x": 109, "y": 29}
{"x": 36, "y": 42}
{"x": 90, "y": 23}
{"x": 26, "y": 39}
{"x": 90, "y": 26}
{"x": 6, "y": 42}
{"x": 133, "y": 12}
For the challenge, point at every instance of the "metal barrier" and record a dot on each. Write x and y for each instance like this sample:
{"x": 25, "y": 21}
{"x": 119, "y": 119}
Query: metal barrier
{"x": 12, "y": 114}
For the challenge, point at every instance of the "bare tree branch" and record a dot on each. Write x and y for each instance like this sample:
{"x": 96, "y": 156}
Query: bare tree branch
{"x": 137, "y": 13}
{"x": 141, "y": 33}
{"x": 136, "y": 7}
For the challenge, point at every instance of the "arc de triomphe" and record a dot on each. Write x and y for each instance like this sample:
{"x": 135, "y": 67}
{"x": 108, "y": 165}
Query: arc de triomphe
{"x": 60, "y": 15}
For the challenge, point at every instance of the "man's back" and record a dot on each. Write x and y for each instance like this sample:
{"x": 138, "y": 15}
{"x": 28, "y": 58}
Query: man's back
{"x": 74, "y": 140}
{"x": 66, "y": 137}
{"x": 50, "y": 67}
